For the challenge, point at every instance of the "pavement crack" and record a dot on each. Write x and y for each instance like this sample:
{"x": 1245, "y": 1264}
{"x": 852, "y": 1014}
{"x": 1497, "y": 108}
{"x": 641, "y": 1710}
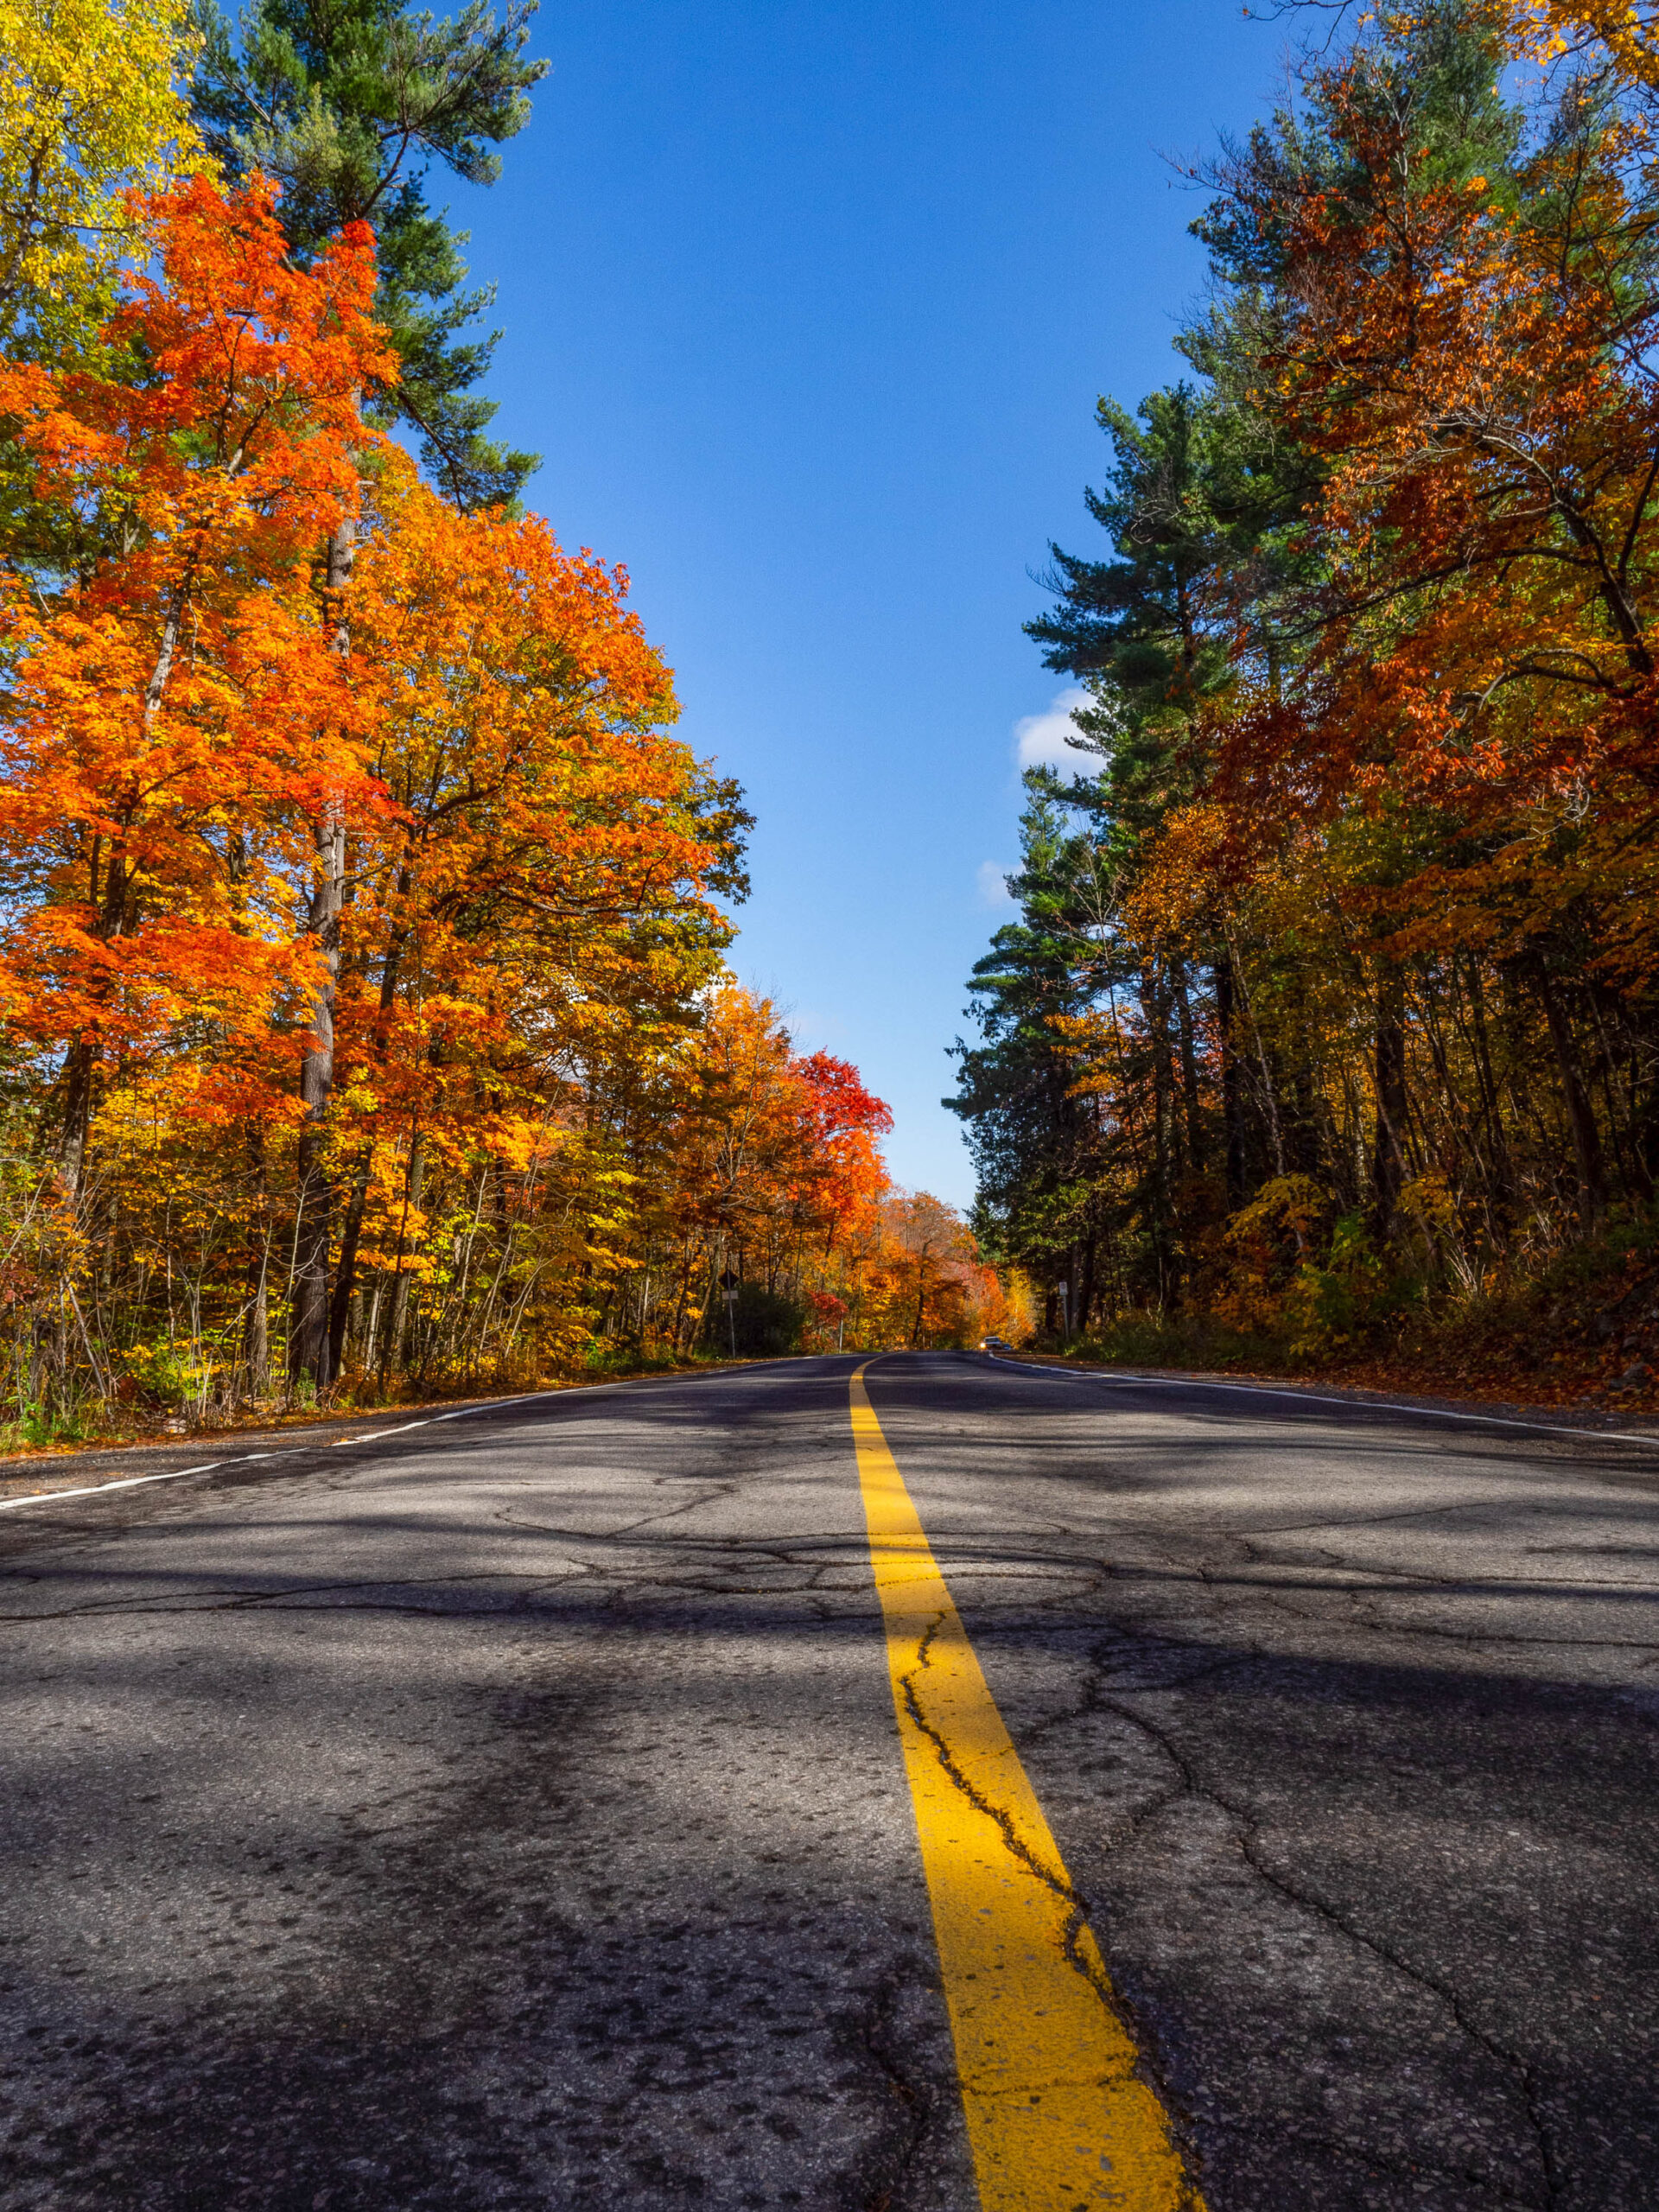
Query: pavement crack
{"x": 712, "y": 1488}
{"x": 1369, "y": 1520}
{"x": 906, "y": 2114}
{"x": 1058, "y": 1884}
{"x": 229, "y": 1601}
{"x": 1495, "y": 2193}
{"x": 1246, "y": 1829}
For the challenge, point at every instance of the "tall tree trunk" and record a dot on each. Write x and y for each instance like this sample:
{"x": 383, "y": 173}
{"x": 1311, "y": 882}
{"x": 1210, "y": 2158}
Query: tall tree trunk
{"x": 345, "y": 1272}
{"x": 258, "y": 1331}
{"x": 1163, "y": 1115}
{"x": 1502, "y": 1172}
{"x": 1308, "y": 1148}
{"x": 412, "y": 1189}
{"x": 352, "y": 1232}
{"x": 78, "y": 1073}
{"x": 308, "y": 1341}
{"x": 1195, "y": 1145}
{"x": 1621, "y": 1106}
{"x": 110, "y": 900}
{"x": 309, "y": 1348}
{"x": 1580, "y": 1113}
{"x": 1387, "y": 1151}
{"x": 1270, "y": 1112}
{"x": 80, "y": 1063}
{"x": 1232, "y": 1112}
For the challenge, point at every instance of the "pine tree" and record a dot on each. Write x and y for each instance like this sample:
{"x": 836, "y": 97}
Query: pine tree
{"x": 1035, "y": 1143}
{"x": 344, "y": 103}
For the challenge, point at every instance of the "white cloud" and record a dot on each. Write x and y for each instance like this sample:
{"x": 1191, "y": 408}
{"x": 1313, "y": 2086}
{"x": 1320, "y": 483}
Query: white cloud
{"x": 1040, "y": 740}
{"x": 993, "y": 883}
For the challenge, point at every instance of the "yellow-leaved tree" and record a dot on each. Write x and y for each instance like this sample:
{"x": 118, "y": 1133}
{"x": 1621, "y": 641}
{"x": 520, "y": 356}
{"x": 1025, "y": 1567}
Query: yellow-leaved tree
{"x": 91, "y": 107}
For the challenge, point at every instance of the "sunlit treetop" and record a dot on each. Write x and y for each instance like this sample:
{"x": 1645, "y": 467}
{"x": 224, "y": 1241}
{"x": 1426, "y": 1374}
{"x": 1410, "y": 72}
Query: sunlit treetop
{"x": 345, "y": 105}
{"x": 90, "y": 108}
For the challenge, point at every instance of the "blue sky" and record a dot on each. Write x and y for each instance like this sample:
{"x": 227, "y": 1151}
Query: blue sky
{"x": 807, "y": 308}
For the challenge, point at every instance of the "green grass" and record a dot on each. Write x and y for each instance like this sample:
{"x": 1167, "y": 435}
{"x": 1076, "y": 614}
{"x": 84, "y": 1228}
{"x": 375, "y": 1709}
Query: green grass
{"x": 40, "y": 1425}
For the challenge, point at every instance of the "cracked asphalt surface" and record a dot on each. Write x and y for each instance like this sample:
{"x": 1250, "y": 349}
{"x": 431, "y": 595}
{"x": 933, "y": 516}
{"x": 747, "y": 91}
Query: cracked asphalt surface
{"x": 510, "y": 1813}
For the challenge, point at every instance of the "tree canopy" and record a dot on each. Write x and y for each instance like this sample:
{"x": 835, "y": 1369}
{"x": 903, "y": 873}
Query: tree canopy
{"x": 345, "y": 104}
{"x": 1362, "y": 996}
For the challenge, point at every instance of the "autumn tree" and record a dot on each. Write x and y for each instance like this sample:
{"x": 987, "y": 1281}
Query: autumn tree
{"x": 174, "y": 705}
{"x": 345, "y": 107}
{"x": 364, "y": 1025}
{"x": 1468, "y": 355}
{"x": 544, "y": 901}
{"x": 931, "y": 1247}
{"x": 1369, "y": 659}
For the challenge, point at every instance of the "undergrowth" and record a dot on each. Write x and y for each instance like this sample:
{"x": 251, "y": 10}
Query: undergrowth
{"x": 31, "y": 1427}
{"x": 1583, "y": 1329}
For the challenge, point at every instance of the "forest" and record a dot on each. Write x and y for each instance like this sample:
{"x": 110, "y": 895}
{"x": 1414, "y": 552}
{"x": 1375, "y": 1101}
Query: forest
{"x": 1327, "y": 1030}
{"x": 365, "y": 1029}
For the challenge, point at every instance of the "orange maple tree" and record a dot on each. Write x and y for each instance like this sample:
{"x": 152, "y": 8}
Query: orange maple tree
{"x": 176, "y": 713}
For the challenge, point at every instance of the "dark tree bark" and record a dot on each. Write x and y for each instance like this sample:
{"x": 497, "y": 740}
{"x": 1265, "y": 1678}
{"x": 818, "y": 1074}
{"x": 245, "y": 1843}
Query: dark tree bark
{"x": 1388, "y": 1154}
{"x": 1492, "y": 1106}
{"x": 352, "y": 1232}
{"x": 1232, "y": 1103}
{"x": 78, "y": 1073}
{"x": 1195, "y": 1144}
{"x": 1580, "y": 1113}
{"x": 1156, "y": 1008}
{"x": 1620, "y": 1099}
{"x": 308, "y": 1341}
{"x": 345, "y": 1271}
{"x": 397, "y": 1324}
{"x": 310, "y": 1350}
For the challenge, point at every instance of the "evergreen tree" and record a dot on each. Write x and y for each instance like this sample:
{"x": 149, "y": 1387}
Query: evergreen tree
{"x": 1033, "y": 1140}
{"x": 345, "y": 104}
{"x": 1200, "y": 507}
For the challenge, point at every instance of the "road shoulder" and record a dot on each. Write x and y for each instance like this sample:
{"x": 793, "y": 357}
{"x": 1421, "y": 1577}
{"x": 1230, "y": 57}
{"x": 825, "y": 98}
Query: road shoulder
{"x": 95, "y": 1466}
{"x": 1569, "y": 1420}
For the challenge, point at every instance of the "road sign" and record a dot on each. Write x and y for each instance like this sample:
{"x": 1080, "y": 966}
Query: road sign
{"x": 728, "y": 1282}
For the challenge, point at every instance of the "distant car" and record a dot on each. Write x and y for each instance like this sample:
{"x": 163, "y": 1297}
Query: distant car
{"x": 994, "y": 1343}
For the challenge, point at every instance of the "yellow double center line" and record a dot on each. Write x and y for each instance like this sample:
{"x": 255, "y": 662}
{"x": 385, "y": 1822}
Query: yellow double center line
{"x": 1058, "y": 2120}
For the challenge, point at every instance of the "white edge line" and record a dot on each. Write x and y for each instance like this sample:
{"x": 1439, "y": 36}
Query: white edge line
{"x": 127, "y": 1481}
{"x": 488, "y": 1405}
{"x": 1317, "y": 1398}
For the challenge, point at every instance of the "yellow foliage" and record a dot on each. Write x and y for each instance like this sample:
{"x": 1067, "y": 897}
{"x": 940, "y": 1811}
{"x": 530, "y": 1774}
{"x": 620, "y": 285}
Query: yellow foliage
{"x": 1430, "y": 1198}
{"x": 1546, "y": 29}
{"x": 1266, "y": 1241}
{"x": 89, "y": 109}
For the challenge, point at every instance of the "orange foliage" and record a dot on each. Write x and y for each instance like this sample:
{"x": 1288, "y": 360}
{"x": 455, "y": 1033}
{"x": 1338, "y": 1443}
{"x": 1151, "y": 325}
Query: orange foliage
{"x": 409, "y": 825}
{"x": 176, "y": 709}
{"x": 1460, "y": 362}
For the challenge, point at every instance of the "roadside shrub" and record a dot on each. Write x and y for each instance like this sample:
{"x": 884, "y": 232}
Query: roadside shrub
{"x": 765, "y": 1324}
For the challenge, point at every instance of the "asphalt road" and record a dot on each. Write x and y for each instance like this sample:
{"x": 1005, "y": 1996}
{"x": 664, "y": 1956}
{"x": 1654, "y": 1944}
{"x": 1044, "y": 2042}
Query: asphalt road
{"x": 510, "y": 1812}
